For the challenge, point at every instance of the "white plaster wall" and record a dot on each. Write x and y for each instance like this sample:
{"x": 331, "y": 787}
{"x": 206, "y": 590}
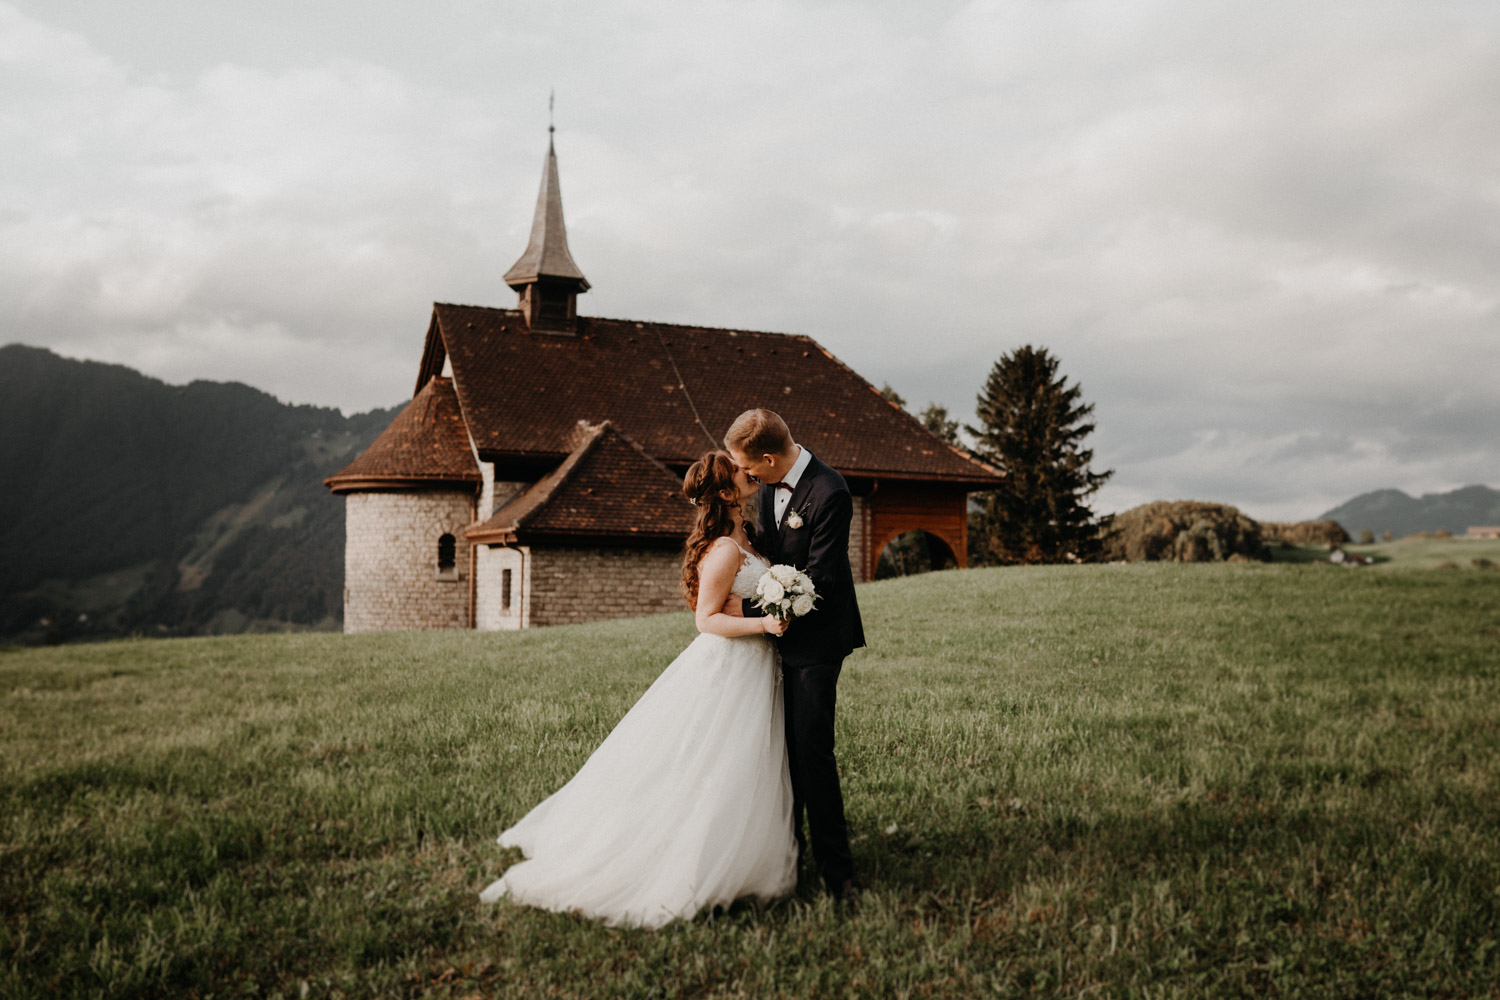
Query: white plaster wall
{"x": 490, "y": 614}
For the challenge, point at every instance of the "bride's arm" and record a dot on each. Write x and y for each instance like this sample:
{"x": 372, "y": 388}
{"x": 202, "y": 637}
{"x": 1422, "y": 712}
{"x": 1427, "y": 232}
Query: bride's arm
{"x": 716, "y": 575}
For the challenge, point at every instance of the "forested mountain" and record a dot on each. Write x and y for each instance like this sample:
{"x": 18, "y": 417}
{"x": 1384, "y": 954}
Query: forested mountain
{"x": 1392, "y": 510}
{"x": 130, "y": 506}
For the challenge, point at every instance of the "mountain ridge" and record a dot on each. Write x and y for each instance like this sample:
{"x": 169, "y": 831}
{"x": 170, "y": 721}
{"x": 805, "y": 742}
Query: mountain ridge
{"x": 135, "y": 506}
{"x": 1393, "y": 510}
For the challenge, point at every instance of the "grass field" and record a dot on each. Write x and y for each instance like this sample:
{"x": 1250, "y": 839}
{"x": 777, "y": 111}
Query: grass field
{"x": 1108, "y": 781}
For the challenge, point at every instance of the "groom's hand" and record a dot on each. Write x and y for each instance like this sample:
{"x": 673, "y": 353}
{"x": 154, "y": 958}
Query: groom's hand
{"x": 732, "y": 607}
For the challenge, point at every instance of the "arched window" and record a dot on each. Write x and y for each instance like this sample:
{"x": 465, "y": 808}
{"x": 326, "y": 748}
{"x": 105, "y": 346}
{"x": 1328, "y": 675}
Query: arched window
{"x": 447, "y": 564}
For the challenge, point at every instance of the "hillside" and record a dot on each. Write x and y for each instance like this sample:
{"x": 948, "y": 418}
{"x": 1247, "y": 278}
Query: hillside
{"x": 1394, "y": 511}
{"x": 134, "y": 506}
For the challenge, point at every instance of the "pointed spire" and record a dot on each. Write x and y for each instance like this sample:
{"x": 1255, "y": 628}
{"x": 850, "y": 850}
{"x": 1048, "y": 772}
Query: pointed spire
{"x": 547, "y": 253}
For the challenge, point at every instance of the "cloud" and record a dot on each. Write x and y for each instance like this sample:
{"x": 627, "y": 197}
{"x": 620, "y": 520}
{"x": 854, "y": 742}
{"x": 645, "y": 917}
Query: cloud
{"x": 1261, "y": 237}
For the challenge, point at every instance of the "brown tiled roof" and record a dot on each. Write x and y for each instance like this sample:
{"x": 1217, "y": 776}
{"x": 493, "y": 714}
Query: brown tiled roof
{"x": 427, "y": 444}
{"x": 607, "y": 488}
{"x": 524, "y": 392}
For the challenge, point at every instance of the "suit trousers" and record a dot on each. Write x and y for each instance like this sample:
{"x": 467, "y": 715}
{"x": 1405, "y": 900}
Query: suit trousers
{"x": 810, "y": 693}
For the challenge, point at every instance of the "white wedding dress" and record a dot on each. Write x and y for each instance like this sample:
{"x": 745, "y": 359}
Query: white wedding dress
{"x": 686, "y": 805}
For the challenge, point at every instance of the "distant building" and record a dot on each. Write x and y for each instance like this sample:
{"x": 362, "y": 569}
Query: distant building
{"x": 535, "y": 476}
{"x": 1483, "y": 531}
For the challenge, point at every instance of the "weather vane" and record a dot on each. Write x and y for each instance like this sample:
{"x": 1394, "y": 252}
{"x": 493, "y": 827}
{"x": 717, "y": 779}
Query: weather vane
{"x": 551, "y": 98}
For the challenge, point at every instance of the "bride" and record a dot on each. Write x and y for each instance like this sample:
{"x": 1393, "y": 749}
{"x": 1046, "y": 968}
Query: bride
{"x": 687, "y": 804}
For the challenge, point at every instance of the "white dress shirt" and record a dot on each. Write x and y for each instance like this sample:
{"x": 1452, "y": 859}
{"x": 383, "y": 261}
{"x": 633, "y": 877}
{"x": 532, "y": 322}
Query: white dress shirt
{"x": 792, "y": 478}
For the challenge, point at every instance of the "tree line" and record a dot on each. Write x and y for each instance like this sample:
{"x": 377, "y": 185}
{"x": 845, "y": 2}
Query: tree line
{"x": 1030, "y": 425}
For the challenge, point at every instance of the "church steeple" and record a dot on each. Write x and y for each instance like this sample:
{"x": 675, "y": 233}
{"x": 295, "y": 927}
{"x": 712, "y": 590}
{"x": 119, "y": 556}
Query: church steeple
{"x": 546, "y": 277}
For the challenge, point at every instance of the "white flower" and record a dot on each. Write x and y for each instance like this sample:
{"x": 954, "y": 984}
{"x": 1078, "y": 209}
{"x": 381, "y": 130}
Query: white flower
{"x": 805, "y": 582}
{"x": 783, "y": 574}
{"x": 770, "y": 589}
{"x": 794, "y": 520}
{"x": 802, "y": 605}
{"x": 785, "y": 603}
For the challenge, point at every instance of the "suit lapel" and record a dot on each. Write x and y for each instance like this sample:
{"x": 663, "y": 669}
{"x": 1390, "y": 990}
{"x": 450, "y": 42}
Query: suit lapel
{"x": 803, "y": 487}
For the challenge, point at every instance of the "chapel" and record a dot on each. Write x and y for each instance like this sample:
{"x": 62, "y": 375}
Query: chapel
{"x": 535, "y": 477}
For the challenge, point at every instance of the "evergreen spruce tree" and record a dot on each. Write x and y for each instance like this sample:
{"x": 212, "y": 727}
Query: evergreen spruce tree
{"x": 1031, "y": 427}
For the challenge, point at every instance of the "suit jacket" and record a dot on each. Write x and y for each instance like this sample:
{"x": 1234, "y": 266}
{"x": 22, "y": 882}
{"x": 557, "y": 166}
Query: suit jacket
{"x": 820, "y": 548}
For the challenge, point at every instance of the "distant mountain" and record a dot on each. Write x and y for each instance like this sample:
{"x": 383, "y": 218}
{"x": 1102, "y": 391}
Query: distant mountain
{"x": 1394, "y": 511}
{"x": 133, "y": 506}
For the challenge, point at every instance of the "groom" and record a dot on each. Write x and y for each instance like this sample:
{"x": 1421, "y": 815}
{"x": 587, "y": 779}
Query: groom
{"x": 804, "y": 514}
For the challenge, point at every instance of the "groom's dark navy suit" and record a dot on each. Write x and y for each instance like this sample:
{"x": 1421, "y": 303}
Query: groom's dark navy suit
{"x": 813, "y": 651}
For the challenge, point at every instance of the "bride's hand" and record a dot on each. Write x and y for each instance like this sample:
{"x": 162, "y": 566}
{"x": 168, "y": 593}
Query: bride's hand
{"x": 775, "y": 626}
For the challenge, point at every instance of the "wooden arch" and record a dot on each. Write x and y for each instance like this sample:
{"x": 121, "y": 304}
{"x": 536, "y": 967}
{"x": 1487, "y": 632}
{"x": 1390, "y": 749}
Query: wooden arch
{"x": 894, "y": 508}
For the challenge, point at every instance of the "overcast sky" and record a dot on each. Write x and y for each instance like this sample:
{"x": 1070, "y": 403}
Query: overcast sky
{"x": 1264, "y": 237}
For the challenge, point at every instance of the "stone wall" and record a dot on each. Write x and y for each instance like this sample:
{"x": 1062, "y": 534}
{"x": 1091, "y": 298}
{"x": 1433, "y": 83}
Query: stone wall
{"x": 391, "y": 578}
{"x": 571, "y": 585}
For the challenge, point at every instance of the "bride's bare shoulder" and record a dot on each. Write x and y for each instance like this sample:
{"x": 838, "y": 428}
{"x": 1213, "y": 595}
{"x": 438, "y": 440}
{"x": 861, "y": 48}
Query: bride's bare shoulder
{"x": 721, "y": 544}
{"x": 721, "y": 557}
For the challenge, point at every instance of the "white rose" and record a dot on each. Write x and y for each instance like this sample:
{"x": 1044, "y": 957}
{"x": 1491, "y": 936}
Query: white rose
{"x": 805, "y": 582}
{"x": 802, "y": 605}
{"x": 794, "y": 520}
{"x": 784, "y": 575}
{"x": 786, "y": 604}
{"x": 771, "y": 590}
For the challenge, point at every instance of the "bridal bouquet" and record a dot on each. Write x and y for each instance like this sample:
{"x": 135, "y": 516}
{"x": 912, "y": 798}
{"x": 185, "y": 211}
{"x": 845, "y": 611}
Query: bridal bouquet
{"x": 783, "y": 592}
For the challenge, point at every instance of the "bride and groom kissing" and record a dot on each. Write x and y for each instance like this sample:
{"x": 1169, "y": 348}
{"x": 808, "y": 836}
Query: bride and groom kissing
{"x": 696, "y": 798}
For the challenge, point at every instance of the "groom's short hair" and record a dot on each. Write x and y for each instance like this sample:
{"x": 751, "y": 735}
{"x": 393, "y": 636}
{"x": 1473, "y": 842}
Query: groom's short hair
{"x": 758, "y": 432}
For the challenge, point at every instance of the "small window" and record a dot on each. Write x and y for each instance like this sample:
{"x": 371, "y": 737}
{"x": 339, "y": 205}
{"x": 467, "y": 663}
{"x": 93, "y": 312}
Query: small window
{"x": 447, "y": 566}
{"x": 505, "y": 591}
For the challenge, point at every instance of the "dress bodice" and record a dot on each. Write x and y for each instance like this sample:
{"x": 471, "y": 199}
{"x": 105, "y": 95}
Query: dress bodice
{"x": 752, "y": 568}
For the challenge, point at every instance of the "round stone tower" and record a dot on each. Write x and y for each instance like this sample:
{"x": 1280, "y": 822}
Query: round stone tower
{"x": 408, "y": 499}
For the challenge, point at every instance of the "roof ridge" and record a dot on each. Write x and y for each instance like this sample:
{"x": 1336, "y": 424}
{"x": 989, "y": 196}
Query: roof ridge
{"x": 641, "y": 322}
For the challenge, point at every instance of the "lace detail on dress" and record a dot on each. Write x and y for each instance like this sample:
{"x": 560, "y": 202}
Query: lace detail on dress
{"x": 752, "y": 568}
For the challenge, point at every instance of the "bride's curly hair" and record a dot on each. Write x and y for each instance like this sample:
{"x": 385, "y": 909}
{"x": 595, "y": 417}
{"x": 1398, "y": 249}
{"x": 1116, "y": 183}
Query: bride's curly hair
{"x": 704, "y": 485}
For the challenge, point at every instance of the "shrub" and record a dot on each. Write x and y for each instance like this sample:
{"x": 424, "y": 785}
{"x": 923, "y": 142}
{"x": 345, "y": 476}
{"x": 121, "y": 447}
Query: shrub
{"x": 1480, "y": 562}
{"x": 1183, "y": 531}
{"x": 1306, "y": 532}
{"x": 1367, "y": 537}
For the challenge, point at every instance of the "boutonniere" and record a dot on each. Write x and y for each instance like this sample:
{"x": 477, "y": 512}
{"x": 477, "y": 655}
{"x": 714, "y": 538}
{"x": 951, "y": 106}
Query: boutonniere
{"x": 794, "y": 518}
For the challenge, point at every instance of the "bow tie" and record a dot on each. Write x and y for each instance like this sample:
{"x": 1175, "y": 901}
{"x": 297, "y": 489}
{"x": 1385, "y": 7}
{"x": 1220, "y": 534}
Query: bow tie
{"x": 784, "y": 485}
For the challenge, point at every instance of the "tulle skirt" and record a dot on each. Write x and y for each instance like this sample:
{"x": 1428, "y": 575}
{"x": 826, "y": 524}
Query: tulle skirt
{"x": 686, "y": 805}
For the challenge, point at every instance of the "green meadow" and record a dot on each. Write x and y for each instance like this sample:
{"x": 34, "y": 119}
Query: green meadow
{"x": 1104, "y": 781}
